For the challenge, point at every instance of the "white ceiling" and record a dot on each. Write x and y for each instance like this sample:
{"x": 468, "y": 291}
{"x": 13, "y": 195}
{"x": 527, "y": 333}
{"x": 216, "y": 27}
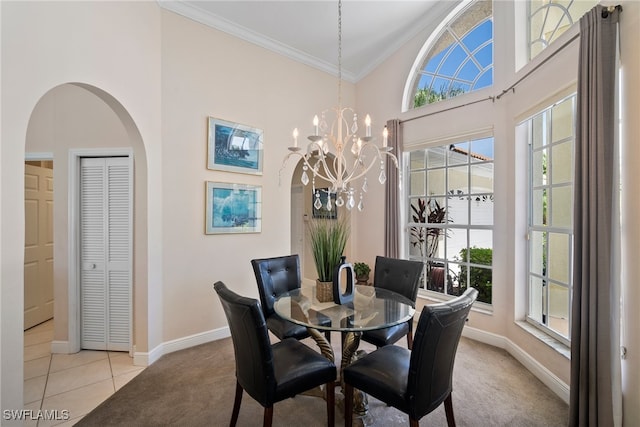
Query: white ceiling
{"x": 307, "y": 30}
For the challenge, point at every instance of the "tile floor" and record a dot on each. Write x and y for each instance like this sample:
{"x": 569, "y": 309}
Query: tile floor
{"x": 76, "y": 383}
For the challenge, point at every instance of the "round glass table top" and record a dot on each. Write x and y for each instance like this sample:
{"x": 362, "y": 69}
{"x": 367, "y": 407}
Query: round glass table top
{"x": 371, "y": 308}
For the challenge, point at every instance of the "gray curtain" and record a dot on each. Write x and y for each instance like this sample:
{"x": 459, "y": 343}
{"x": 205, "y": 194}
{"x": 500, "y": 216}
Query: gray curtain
{"x": 391, "y": 202}
{"x": 595, "y": 318}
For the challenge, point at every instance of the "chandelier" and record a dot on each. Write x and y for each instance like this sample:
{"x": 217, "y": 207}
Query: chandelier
{"x": 341, "y": 138}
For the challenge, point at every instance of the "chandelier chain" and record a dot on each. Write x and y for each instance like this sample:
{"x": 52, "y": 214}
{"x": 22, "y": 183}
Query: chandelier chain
{"x": 339, "y": 53}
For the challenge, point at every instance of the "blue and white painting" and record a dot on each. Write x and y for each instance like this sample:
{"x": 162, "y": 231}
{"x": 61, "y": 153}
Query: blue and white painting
{"x": 234, "y": 147}
{"x": 233, "y": 208}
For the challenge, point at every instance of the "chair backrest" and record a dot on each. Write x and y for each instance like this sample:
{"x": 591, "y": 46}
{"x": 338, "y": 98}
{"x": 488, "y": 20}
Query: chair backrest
{"x": 398, "y": 275}
{"x": 251, "y": 345}
{"x": 275, "y": 276}
{"x": 434, "y": 350}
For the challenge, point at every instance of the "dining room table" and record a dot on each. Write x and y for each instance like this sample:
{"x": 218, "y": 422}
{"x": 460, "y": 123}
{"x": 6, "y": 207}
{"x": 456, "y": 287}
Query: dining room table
{"x": 371, "y": 308}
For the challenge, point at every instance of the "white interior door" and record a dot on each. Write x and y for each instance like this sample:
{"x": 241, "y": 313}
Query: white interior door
{"x": 105, "y": 253}
{"x": 38, "y": 245}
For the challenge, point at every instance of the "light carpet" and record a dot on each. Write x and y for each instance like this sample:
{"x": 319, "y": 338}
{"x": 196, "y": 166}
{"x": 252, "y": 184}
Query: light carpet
{"x": 195, "y": 387}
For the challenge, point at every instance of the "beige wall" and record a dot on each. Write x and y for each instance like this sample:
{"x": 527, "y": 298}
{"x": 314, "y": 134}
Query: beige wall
{"x": 209, "y": 73}
{"x": 167, "y": 74}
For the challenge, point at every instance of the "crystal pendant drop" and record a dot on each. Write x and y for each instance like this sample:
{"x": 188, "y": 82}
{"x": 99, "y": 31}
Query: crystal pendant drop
{"x": 329, "y": 205}
{"x": 305, "y": 178}
{"x": 365, "y": 185}
{"x": 360, "y": 204}
{"x": 323, "y": 123}
{"x": 351, "y": 202}
{"x": 339, "y": 201}
{"x": 354, "y": 148}
{"x": 383, "y": 177}
{"x": 317, "y": 204}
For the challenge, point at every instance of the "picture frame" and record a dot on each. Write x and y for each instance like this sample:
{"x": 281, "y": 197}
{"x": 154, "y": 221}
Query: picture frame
{"x": 323, "y": 212}
{"x": 233, "y": 147}
{"x": 233, "y": 208}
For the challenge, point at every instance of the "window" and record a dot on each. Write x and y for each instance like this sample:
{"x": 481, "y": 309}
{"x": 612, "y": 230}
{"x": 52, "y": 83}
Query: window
{"x": 450, "y": 216}
{"x": 548, "y": 19}
{"x": 459, "y": 59}
{"x": 551, "y": 139}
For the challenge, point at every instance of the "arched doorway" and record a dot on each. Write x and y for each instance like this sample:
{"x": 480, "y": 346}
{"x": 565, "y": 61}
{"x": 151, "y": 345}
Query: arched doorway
{"x": 71, "y": 121}
{"x": 301, "y": 213}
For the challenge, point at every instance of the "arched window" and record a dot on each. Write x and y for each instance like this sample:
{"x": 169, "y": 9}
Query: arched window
{"x": 548, "y": 19}
{"x": 459, "y": 59}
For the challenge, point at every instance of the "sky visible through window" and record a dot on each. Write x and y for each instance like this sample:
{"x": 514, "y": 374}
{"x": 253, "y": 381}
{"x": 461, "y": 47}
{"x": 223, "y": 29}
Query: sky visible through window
{"x": 482, "y": 147}
{"x": 467, "y": 65}
{"x": 460, "y": 59}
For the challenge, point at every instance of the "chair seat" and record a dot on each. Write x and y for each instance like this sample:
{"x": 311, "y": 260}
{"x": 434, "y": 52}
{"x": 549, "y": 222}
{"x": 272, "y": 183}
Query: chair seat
{"x": 298, "y": 368}
{"x": 386, "y": 336}
{"x": 284, "y": 329}
{"x": 383, "y": 374}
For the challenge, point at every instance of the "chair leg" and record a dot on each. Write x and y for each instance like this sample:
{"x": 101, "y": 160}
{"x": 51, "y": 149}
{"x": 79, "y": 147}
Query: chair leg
{"x": 331, "y": 402}
{"x": 410, "y": 335}
{"x": 268, "y": 417}
{"x": 236, "y": 405}
{"x": 348, "y": 405}
{"x": 448, "y": 408}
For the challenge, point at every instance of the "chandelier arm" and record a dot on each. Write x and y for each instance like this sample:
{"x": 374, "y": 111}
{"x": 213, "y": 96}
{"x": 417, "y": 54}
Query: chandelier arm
{"x": 305, "y": 159}
{"x": 328, "y": 176}
{"x": 378, "y": 154}
{"x": 363, "y": 169}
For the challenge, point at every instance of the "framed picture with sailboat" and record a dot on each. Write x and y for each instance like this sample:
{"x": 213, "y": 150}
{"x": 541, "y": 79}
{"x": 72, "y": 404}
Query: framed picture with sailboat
{"x": 233, "y": 147}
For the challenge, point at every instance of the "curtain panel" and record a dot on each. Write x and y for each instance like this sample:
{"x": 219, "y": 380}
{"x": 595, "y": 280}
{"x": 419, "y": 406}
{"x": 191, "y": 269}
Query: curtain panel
{"x": 595, "y": 366}
{"x": 391, "y": 202}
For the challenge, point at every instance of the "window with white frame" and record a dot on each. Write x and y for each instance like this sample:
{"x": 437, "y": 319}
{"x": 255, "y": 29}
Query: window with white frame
{"x": 550, "y": 231}
{"x": 459, "y": 59}
{"x": 450, "y": 216}
{"x": 548, "y": 19}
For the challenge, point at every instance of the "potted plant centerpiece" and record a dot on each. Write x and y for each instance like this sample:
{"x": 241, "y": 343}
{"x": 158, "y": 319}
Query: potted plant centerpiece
{"x": 328, "y": 239}
{"x": 362, "y": 271}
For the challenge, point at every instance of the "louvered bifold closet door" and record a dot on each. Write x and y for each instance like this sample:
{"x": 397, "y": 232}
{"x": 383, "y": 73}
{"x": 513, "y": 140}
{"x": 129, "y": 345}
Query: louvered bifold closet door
{"x": 105, "y": 241}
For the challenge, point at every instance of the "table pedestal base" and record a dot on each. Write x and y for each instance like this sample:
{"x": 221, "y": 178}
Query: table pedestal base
{"x": 350, "y": 353}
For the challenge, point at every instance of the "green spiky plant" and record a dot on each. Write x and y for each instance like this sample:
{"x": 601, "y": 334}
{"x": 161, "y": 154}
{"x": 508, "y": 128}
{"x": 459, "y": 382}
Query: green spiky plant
{"x": 328, "y": 240}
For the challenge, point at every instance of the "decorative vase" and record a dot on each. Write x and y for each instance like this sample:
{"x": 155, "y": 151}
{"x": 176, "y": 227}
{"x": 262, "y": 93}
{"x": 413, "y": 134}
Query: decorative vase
{"x": 344, "y": 269}
{"x": 324, "y": 291}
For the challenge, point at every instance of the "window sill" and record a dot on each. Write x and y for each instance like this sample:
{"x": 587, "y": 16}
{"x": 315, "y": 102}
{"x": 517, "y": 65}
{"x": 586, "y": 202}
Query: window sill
{"x": 559, "y": 347}
{"x": 478, "y": 307}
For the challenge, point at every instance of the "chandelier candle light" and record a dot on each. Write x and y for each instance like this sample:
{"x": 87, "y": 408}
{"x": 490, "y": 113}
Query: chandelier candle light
{"x": 340, "y": 135}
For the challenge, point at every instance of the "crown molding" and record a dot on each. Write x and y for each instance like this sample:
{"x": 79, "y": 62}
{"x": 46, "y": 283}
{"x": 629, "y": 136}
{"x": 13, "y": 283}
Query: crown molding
{"x": 197, "y": 14}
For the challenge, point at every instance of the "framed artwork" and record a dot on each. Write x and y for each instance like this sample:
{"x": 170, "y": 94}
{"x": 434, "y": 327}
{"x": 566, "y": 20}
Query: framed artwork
{"x": 322, "y": 195}
{"x": 233, "y": 208}
{"x": 234, "y": 147}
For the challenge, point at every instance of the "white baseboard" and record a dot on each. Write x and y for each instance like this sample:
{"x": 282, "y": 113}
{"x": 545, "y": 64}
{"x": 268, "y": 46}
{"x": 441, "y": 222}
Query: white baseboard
{"x": 147, "y": 358}
{"x": 60, "y": 347}
{"x": 548, "y": 378}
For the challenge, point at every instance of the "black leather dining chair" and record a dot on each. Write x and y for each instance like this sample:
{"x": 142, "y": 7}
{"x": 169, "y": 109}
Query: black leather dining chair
{"x": 414, "y": 381}
{"x": 402, "y": 277}
{"x": 271, "y": 373}
{"x": 274, "y": 277}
